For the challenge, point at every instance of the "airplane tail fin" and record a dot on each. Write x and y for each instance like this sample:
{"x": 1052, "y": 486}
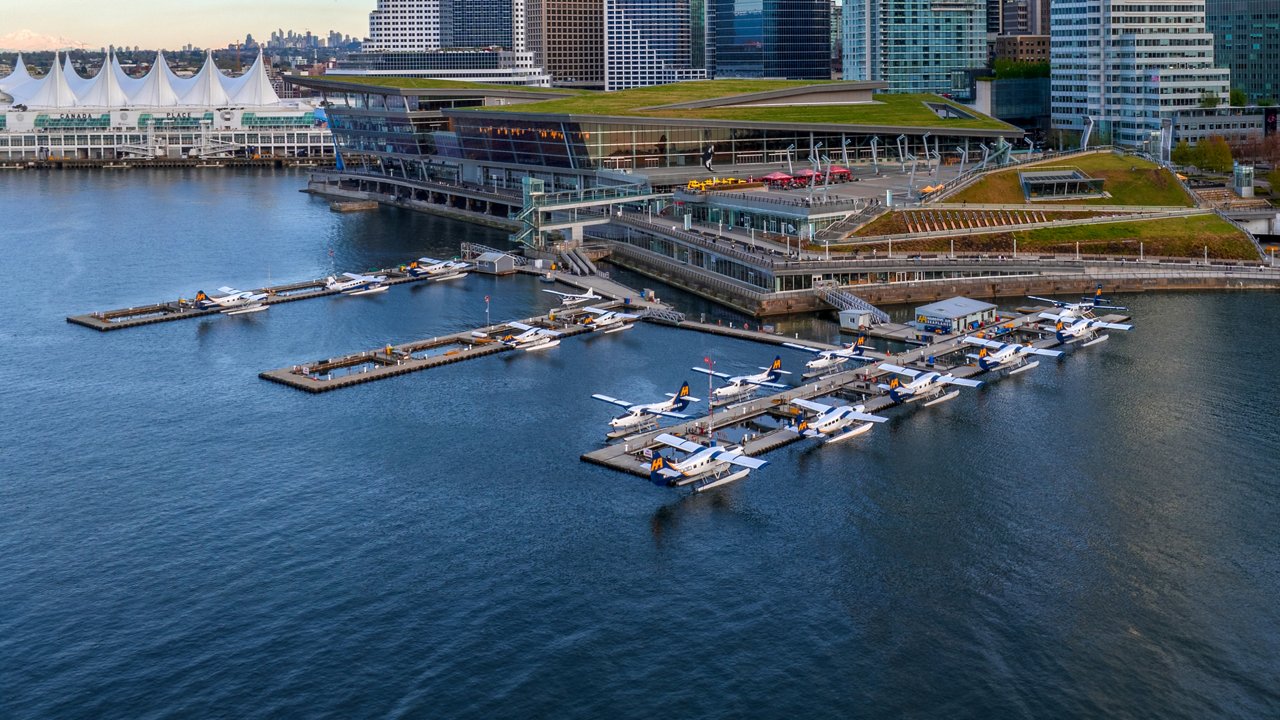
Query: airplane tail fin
{"x": 656, "y": 466}
{"x": 682, "y": 397}
{"x": 1097, "y": 295}
{"x": 201, "y": 296}
{"x": 1062, "y": 337}
{"x": 983, "y": 362}
{"x": 775, "y": 368}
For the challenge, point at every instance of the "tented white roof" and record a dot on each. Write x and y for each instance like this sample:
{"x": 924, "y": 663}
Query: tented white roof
{"x": 62, "y": 87}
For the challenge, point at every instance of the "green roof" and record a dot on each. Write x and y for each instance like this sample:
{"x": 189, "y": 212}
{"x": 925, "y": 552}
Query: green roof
{"x": 433, "y": 84}
{"x": 888, "y": 109}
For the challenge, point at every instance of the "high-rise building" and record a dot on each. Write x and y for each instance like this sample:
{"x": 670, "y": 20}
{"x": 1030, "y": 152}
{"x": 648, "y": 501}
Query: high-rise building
{"x": 1246, "y": 39}
{"x": 476, "y": 23}
{"x": 914, "y": 45}
{"x": 772, "y": 38}
{"x": 651, "y": 42}
{"x": 412, "y": 25}
{"x": 566, "y": 38}
{"x": 1128, "y": 66}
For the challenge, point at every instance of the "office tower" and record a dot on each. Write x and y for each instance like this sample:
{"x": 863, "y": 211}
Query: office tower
{"x": 772, "y": 38}
{"x": 404, "y": 25}
{"x": 913, "y": 45}
{"x": 651, "y": 42}
{"x": 1129, "y": 66}
{"x": 1246, "y": 39}
{"x": 566, "y": 38}
{"x": 476, "y": 23}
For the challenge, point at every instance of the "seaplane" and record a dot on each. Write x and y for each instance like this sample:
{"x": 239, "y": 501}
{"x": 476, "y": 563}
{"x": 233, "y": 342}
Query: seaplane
{"x": 571, "y": 299}
{"x": 533, "y": 338}
{"x": 608, "y": 321}
{"x": 356, "y": 284}
{"x": 834, "y": 423}
{"x": 1070, "y": 329}
{"x": 741, "y": 386}
{"x": 643, "y": 416}
{"x": 705, "y": 468}
{"x": 1080, "y": 309}
{"x": 438, "y": 269}
{"x": 928, "y": 386}
{"x": 232, "y": 301}
{"x": 829, "y": 361}
{"x": 1006, "y": 356}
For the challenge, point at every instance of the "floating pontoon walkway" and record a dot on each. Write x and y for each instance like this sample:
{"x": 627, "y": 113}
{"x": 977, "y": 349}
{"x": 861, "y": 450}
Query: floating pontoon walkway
{"x": 183, "y": 309}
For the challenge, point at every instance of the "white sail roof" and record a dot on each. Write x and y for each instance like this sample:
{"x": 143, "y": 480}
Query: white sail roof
{"x": 18, "y": 77}
{"x": 130, "y": 84}
{"x": 74, "y": 81}
{"x": 207, "y": 87}
{"x": 254, "y": 87}
{"x": 180, "y": 85}
{"x": 52, "y": 91}
{"x": 155, "y": 89}
{"x": 103, "y": 90}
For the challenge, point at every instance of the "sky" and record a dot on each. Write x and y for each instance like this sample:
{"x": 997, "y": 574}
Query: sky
{"x": 174, "y": 23}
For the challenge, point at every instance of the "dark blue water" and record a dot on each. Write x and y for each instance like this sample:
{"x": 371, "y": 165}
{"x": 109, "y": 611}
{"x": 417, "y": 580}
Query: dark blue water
{"x": 181, "y": 539}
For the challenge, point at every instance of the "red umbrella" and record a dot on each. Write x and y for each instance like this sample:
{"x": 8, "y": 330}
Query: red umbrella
{"x": 837, "y": 170}
{"x": 776, "y": 176}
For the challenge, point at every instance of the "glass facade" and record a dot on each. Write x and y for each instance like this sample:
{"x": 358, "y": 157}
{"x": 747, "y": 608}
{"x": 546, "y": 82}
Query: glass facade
{"x": 475, "y": 23}
{"x": 1246, "y": 38}
{"x": 915, "y": 46}
{"x": 772, "y": 39}
{"x": 651, "y": 42}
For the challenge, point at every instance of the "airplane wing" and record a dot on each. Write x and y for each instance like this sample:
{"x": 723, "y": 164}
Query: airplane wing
{"x": 254, "y": 298}
{"x": 1109, "y": 326}
{"x": 679, "y": 443}
{"x": 561, "y": 294}
{"x": 626, "y": 316}
{"x": 970, "y": 340}
{"x": 805, "y": 348}
{"x": 762, "y": 383}
{"x": 429, "y": 261}
{"x": 590, "y": 308}
{"x": 520, "y": 326}
{"x": 866, "y": 417}
{"x": 679, "y": 416}
{"x": 228, "y": 290}
{"x": 356, "y": 276}
{"x": 810, "y": 405}
{"x": 1056, "y": 317}
{"x": 737, "y": 458}
{"x": 1027, "y": 349}
{"x": 705, "y": 371}
{"x": 899, "y": 370}
{"x": 1055, "y": 303}
{"x": 689, "y": 398}
{"x": 965, "y": 382}
{"x": 613, "y": 401}
{"x": 544, "y": 331}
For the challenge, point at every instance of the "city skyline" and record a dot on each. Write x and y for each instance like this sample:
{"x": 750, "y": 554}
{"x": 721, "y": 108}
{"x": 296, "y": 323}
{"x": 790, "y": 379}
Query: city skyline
{"x": 206, "y": 23}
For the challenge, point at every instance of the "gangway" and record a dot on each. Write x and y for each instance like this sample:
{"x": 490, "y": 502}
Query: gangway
{"x": 845, "y": 300}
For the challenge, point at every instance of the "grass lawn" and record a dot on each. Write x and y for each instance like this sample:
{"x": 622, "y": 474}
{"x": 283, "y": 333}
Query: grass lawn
{"x": 1130, "y": 180}
{"x": 1170, "y": 237}
{"x": 433, "y": 84}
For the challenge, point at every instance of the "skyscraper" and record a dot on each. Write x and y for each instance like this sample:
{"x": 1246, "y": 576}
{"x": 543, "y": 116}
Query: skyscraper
{"x": 772, "y": 38}
{"x": 476, "y": 23}
{"x": 652, "y": 42}
{"x": 404, "y": 25}
{"x": 567, "y": 39}
{"x": 914, "y": 45}
{"x": 1246, "y": 39}
{"x": 1129, "y": 65}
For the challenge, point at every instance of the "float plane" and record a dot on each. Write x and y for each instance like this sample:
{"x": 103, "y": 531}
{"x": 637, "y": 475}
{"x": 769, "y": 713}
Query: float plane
{"x": 832, "y": 422}
{"x": 232, "y": 301}
{"x": 929, "y": 386}
{"x": 571, "y": 299}
{"x": 706, "y": 467}
{"x": 608, "y": 321}
{"x": 1069, "y": 329}
{"x": 1006, "y": 356}
{"x": 438, "y": 269}
{"x": 356, "y": 284}
{"x": 829, "y": 361}
{"x": 638, "y": 416}
{"x": 740, "y": 386}
{"x": 1080, "y": 309}
{"x": 533, "y": 338}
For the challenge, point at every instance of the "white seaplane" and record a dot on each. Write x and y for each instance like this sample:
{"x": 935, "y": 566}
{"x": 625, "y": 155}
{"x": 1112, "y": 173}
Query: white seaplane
{"x": 1006, "y": 356}
{"x": 928, "y": 386}
{"x": 829, "y": 361}
{"x": 608, "y": 321}
{"x": 742, "y": 386}
{"x": 438, "y": 269}
{"x": 833, "y": 423}
{"x": 706, "y": 467}
{"x": 643, "y": 416}
{"x": 1070, "y": 329}
{"x": 571, "y": 299}
{"x": 232, "y": 301}
{"x": 356, "y": 284}
{"x": 533, "y": 338}
{"x": 1080, "y": 309}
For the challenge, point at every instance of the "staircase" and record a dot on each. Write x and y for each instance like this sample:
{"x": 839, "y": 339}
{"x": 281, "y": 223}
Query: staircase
{"x": 666, "y": 316}
{"x": 844, "y": 300}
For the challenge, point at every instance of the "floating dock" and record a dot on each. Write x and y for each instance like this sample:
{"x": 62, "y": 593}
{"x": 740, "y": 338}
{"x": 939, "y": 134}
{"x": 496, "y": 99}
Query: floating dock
{"x": 861, "y": 383}
{"x": 183, "y": 309}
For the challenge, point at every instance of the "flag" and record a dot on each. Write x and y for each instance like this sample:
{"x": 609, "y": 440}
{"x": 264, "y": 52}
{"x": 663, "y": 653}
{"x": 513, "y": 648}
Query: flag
{"x": 486, "y": 299}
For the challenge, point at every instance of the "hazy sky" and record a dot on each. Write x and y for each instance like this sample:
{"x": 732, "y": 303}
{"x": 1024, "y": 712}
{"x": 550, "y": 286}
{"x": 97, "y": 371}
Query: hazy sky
{"x": 173, "y": 23}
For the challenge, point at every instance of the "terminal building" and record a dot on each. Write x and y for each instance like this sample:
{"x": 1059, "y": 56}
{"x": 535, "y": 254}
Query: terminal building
{"x": 112, "y": 115}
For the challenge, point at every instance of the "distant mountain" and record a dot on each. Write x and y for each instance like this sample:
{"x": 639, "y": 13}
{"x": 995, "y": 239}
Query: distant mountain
{"x": 30, "y": 41}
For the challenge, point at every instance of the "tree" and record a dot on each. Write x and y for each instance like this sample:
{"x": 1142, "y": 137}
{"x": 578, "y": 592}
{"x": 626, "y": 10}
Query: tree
{"x": 1213, "y": 154}
{"x": 1209, "y": 100}
{"x": 1273, "y": 178}
{"x": 1183, "y": 154}
{"x": 1239, "y": 98}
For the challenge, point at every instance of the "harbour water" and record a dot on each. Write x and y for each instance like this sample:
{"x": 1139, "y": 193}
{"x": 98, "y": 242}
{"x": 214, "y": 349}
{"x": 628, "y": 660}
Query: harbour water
{"x": 178, "y": 538}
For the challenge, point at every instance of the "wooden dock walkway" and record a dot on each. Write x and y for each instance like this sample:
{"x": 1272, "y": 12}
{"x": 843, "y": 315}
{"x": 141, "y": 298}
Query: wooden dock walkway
{"x": 183, "y": 309}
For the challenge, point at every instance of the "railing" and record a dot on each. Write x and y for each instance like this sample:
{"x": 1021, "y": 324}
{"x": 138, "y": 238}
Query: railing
{"x": 1253, "y": 239}
{"x": 845, "y": 300}
{"x": 471, "y": 251}
{"x": 970, "y": 176}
